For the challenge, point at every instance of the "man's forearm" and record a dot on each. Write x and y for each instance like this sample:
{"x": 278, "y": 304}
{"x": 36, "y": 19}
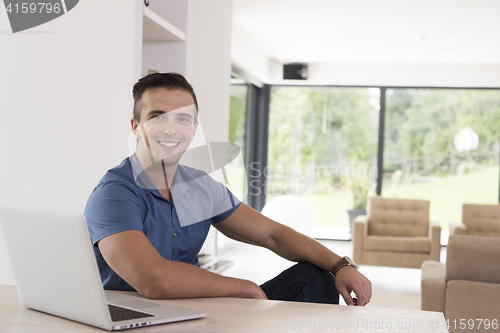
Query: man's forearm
{"x": 249, "y": 226}
{"x": 132, "y": 256}
{"x": 295, "y": 246}
{"x": 181, "y": 280}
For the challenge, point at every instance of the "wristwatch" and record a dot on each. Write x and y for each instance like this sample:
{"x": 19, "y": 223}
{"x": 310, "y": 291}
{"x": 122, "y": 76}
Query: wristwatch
{"x": 344, "y": 261}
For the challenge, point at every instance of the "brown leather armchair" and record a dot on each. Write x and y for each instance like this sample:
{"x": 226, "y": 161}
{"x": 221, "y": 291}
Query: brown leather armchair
{"x": 396, "y": 232}
{"x": 469, "y": 288}
{"x": 478, "y": 220}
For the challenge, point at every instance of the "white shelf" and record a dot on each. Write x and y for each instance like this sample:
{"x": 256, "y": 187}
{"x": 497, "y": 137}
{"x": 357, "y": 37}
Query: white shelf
{"x": 156, "y": 28}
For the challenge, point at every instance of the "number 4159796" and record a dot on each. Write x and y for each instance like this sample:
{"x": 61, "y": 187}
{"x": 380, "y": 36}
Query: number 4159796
{"x": 471, "y": 324}
{"x": 33, "y": 7}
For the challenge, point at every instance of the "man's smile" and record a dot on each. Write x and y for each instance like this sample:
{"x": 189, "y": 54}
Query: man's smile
{"x": 169, "y": 144}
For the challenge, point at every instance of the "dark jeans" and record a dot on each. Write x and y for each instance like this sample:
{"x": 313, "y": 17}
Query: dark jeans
{"x": 303, "y": 282}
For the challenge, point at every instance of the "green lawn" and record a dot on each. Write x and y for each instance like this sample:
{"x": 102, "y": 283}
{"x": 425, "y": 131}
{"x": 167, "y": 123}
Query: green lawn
{"x": 330, "y": 210}
{"x": 446, "y": 194}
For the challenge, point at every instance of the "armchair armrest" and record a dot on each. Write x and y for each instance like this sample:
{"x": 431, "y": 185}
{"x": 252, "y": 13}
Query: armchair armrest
{"x": 360, "y": 232}
{"x": 433, "y": 285}
{"x": 435, "y": 239}
{"x": 457, "y": 228}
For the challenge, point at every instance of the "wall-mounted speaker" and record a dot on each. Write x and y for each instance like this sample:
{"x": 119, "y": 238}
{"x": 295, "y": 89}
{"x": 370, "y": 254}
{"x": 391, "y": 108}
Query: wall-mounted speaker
{"x": 295, "y": 72}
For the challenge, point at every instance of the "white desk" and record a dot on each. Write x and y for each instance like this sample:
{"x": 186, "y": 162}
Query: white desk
{"x": 233, "y": 315}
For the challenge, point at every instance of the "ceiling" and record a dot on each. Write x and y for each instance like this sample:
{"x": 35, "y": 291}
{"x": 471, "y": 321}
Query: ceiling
{"x": 373, "y": 31}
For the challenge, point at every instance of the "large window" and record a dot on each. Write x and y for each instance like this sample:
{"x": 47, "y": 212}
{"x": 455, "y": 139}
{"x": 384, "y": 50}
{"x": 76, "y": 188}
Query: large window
{"x": 237, "y": 131}
{"x": 442, "y": 145}
{"x": 236, "y": 168}
{"x": 322, "y": 140}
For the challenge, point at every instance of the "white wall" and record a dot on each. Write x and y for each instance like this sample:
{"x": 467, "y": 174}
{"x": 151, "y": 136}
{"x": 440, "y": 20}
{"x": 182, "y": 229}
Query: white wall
{"x": 248, "y": 54}
{"x": 167, "y": 57}
{"x": 65, "y": 98}
{"x": 208, "y": 63}
{"x": 65, "y": 102}
{"x": 440, "y": 75}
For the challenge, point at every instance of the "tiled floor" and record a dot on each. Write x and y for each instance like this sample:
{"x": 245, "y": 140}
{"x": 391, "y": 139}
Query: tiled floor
{"x": 392, "y": 287}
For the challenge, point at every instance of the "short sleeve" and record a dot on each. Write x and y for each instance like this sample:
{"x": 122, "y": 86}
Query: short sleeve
{"x": 113, "y": 207}
{"x": 225, "y": 202}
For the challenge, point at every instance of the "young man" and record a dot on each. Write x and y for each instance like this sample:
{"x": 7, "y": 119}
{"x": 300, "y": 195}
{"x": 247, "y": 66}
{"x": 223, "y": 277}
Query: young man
{"x": 149, "y": 217}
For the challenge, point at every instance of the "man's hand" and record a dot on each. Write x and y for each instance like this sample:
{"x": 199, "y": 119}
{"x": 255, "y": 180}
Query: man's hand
{"x": 349, "y": 279}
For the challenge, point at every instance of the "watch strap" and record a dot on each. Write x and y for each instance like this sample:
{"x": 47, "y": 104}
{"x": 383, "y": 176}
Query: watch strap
{"x": 338, "y": 265}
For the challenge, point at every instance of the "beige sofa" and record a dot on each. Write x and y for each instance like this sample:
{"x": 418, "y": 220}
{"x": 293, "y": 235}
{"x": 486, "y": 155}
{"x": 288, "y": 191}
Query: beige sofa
{"x": 478, "y": 220}
{"x": 469, "y": 287}
{"x": 396, "y": 232}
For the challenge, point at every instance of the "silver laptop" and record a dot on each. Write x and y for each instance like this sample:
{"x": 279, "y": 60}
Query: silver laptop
{"x": 56, "y": 272}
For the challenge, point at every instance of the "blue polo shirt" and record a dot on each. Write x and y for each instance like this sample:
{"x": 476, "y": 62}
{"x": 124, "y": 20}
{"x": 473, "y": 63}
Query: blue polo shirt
{"x": 125, "y": 199}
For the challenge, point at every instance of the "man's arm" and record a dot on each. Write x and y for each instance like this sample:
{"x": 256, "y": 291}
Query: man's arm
{"x": 249, "y": 226}
{"x": 132, "y": 256}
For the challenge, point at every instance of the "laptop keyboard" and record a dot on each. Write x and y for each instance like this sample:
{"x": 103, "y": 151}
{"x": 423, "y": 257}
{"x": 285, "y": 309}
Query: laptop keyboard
{"x": 119, "y": 314}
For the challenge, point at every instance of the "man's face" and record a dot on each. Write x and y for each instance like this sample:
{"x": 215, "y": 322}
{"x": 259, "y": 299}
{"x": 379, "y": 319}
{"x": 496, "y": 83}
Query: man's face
{"x": 167, "y": 125}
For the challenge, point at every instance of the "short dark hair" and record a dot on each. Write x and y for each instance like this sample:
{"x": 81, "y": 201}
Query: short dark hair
{"x": 170, "y": 81}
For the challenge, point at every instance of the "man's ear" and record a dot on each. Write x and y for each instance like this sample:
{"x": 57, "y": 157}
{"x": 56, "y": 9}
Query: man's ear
{"x": 134, "y": 125}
